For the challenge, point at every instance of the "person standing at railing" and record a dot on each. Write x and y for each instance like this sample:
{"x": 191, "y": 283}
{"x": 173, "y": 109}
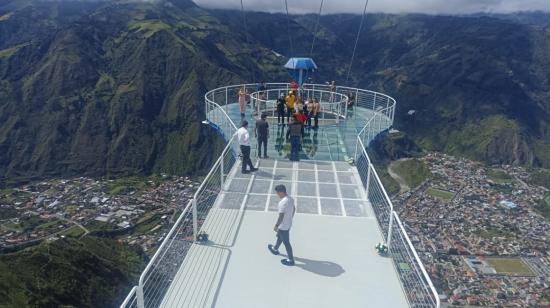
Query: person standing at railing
{"x": 308, "y": 112}
{"x": 316, "y": 112}
{"x": 332, "y": 89}
{"x": 281, "y": 105}
{"x": 290, "y": 100}
{"x": 293, "y": 86}
{"x": 261, "y": 132}
{"x": 243, "y": 138}
{"x": 286, "y": 211}
{"x": 242, "y": 101}
{"x": 261, "y": 98}
{"x": 299, "y": 105}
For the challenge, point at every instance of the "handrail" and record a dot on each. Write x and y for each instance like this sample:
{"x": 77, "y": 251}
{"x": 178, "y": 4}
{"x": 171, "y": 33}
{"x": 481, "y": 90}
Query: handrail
{"x": 383, "y": 107}
{"x": 218, "y": 161}
{"x": 395, "y": 216}
{"x": 330, "y": 102}
{"x": 131, "y": 297}
{"x": 157, "y": 253}
{"x": 226, "y": 115}
{"x": 421, "y": 265}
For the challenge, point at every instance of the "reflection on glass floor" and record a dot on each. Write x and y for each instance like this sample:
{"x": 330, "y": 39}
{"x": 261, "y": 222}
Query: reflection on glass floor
{"x": 332, "y": 141}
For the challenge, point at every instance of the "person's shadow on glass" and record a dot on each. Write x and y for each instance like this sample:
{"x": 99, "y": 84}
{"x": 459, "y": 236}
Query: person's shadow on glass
{"x": 322, "y": 268}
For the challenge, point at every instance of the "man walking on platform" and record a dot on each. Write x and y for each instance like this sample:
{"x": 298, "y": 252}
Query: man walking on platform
{"x": 243, "y": 137}
{"x": 262, "y": 134}
{"x": 286, "y": 211}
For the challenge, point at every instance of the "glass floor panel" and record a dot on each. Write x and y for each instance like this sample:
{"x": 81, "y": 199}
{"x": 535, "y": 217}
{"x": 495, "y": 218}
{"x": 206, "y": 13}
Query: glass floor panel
{"x": 332, "y": 141}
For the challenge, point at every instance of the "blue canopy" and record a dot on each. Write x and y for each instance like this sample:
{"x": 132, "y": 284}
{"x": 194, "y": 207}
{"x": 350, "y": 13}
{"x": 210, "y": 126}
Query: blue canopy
{"x": 300, "y": 68}
{"x": 301, "y": 64}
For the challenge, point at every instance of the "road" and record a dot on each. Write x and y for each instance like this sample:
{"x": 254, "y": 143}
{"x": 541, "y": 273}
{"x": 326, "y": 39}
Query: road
{"x": 86, "y": 231}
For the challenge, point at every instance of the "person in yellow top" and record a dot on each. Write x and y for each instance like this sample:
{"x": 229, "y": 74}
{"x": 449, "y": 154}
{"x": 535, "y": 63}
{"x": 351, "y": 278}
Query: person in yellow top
{"x": 290, "y": 99}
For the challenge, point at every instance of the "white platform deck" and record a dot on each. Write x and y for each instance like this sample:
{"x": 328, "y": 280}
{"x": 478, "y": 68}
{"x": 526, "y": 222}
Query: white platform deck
{"x": 333, "y": 242}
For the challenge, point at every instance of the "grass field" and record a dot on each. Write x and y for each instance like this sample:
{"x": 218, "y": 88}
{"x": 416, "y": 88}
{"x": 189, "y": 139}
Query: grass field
{"x": 499, "y": 176}
{"x": 390, "y": 184}
{"x": 492, "y": 232}
{"x": 510, "y": 266}
{"x": 440, "y": 194}
{"x": 413, "y": 171}
{"x": 75, "y": 232}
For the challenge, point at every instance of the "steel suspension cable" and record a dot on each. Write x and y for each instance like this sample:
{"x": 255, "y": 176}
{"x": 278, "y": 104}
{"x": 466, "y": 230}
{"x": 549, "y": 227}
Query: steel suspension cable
{"x": 288, "y": 29}
{"x": 357, "y": 40}
{"x": 246, "y": 38}
{"x": 315, "y": 30}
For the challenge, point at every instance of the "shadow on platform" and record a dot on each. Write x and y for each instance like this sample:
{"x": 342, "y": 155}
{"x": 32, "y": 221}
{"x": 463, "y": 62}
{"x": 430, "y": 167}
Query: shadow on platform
{"x": 321, "y": 268}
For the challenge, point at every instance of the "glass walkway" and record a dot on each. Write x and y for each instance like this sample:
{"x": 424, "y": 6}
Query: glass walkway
{"x": 342, "y": 212}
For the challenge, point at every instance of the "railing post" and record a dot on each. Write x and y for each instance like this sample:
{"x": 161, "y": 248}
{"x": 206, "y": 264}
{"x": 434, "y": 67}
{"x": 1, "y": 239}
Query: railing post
{"x": 374, "y": 103}
{"x": 222, "y": 171}
{"x": 357, "y": 150}
{"x": 195, "y": 223}
{"x": 388, "y": 240}
{"x": 139, "y": 297}
{"x": 368, "y": 177}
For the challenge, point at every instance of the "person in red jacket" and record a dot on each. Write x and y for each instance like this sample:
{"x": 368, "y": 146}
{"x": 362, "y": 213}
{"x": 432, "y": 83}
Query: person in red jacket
{"x": 294, "y": 86}
{"x": 302, "y": 119}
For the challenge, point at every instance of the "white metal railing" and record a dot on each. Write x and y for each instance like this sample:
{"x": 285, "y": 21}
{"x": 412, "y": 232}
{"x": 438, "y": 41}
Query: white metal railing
{"x": 131, "y": 299}
{"x": 333, "y": 104}
{"x": 163, "y": 266}
{"x": 416, "y": 282}
{"x": 157, "y": 276}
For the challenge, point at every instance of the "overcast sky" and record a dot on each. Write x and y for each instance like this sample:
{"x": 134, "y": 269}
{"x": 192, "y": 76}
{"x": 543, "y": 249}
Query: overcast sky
{"x": 387, "y": 6}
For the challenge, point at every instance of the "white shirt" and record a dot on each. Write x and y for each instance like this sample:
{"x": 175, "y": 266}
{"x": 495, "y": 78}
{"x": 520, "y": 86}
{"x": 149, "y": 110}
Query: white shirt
{"x": 286, "y": 207}
{"x": 243, "y": 137}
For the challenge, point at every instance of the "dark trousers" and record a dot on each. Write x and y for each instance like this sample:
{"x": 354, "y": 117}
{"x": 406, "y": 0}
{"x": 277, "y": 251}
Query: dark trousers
{"x": 262, "y": 140}
{"x": 245, "y": 150}
{"x": 281, "y": 116}
{"x": 294, "y": 148}
{"x": 288, "y": 114}
{"x": 316, "y": 118}
{"x": 283, "y": 237}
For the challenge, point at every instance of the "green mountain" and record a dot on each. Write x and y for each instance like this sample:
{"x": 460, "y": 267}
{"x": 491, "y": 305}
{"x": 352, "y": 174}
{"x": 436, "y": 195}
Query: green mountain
{"x": 90, "y": 272}
{"x": 116, "y": 87}
{"x": 103, "y": 88}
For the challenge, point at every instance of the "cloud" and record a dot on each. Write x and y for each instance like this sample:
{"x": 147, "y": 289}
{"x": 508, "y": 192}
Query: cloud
{"x": 386, "y": 6}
